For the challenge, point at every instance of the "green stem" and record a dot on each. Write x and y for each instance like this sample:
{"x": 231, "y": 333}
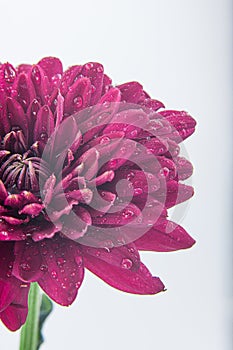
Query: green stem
{"x": 29, "y": 332}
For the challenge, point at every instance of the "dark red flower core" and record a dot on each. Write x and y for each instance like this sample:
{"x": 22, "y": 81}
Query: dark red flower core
{"x": 87, "y": 173}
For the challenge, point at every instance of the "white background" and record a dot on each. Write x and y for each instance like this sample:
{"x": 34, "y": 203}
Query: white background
{"x": 180, "y": 50}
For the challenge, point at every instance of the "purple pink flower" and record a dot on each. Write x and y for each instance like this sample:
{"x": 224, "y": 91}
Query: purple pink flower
{"x": 60, "y": 208}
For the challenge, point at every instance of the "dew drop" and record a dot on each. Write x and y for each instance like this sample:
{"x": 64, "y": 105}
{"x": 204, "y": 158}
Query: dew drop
{"x": 150, "y": 176}
{"x": 164, "y": 172}
{"x": 9, "y": 273}
{"x": 138, "y": 191}
{"x": 78, "y": 101}
{"x": 54, "y": 274}
{"x": 44, "y": 268}
{"x": 25, "y": 267}
{"x": 123, "y": 150}
{"x": 9, "y": 74}
{"x": 130, "y": 175}
{"x": 36, "y": 75}
{"x": 63, "y": 286}
{"x": 127, "y": 214}
{"x": 61, "y": 261}
{"x": 126, "y": 263}
{"x": 104, "y": 140}
{"x": 44, "y": 252}
{"x": 99, "y": 69}
{"x": 77, "y": 284}
{"x": 79, "y": 261}
{"x": 89, "y": 66}
{"x": 93, "y": 89}
{"x": 134, "y": 133}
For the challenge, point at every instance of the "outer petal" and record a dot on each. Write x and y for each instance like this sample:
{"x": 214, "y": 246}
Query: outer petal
{"x": 174, "y": 193}
{"x": 165, "y": 237}
{"x": 52, "y": 67}
{"x": 181, "y": 121}
{"x": 7, "y": 294}
{"x": 65, "y": 272}
{"x": 123, "y": 278}
{"x": 95, "y": 72}
{"x": 14, "y": 316}
{"x": 131, "y": 92}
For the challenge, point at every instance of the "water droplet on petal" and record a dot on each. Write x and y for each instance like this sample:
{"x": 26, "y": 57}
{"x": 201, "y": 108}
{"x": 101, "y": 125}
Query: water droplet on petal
{"x": 25, "y": 267}
{"x": 138, "y": 191}
{"x": 78, "y": 101}
{"x": 93, "y": 88}
{"x": 61, "y": 261}
{"x": 134, "y": 133}
{"x": 126, "y": 263}
{"x": 104, "y": 140}
{"x": 79, "y": 261}
{"x": 44, "y": 268}
{"x": 43, "y": 136}
{"x": 89, "y": 65}
{"x": 100, "y": 69}
{"x": 36, "y": 75}
{"x": 130, "y": 175}
{"x": 164, "y": 172}
{"x": 9, "y": 74}
{"x": 77, "y": 284}
{"x": 54, "y": 274}
{"x": 127, "y": 214}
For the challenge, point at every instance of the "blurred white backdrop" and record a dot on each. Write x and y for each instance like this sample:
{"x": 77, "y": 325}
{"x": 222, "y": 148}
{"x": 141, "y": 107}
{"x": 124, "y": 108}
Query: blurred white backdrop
{"x": 180, "y": 50}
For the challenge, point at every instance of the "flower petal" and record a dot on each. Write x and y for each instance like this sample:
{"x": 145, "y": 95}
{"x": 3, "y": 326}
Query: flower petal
{"x": 130, "y": 92}
{"x": 28, "y": 261}
{"x": 7, "y": 294}
{"x": 165, "y": 237}
{"x": 181, "y": 121}
{"x": 52, "y": 67}
{"x": 65, "y": 270}
{"x": 95, "y": 72}
{"x": 123, "y": 278}
{"x": 14, "y": 316}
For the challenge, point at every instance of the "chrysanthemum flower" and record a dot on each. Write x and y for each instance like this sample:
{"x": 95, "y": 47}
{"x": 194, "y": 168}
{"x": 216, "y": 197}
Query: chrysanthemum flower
{"x": 68, "y": 139}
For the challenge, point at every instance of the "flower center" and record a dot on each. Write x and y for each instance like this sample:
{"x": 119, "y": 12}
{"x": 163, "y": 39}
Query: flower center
{"x": 23, "y": 172}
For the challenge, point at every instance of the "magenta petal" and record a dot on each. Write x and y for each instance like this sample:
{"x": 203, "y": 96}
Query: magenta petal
{"x": 112, "y": 95}
{"x": 122, "y": 277}
{"x": 25, "y": 90}
{"x": 152, "y": 104}
{"x": 181, "y": 121}
{"x": 165, "y": 237}
{"x": 14, "y": 316}
{"x": 44, "y": 125}
{"x": 124, "y": 256}
{"x": 33, "y": 209}
{"x": 95, "y": 72}
{"x": 177, "y": 193}
{"x": 28, "y": 261}
{"x": 76, "y": 224}
{"x": 7, "y": 294}
{"x": 17, "y": 116}
{"x": 40, "y": 82}
{"x": 52, "y": 67}
{"x": 65, "y": 270}
{"x": 11, "y": 233}
{"x": 184, "y": 168}
{"x": 78, "y": 96}
{"x": 3, "y": 191}
{"x": 107, "y": 84}
{"x": 130, "y": 92}
{"x": 69, "y": 77}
